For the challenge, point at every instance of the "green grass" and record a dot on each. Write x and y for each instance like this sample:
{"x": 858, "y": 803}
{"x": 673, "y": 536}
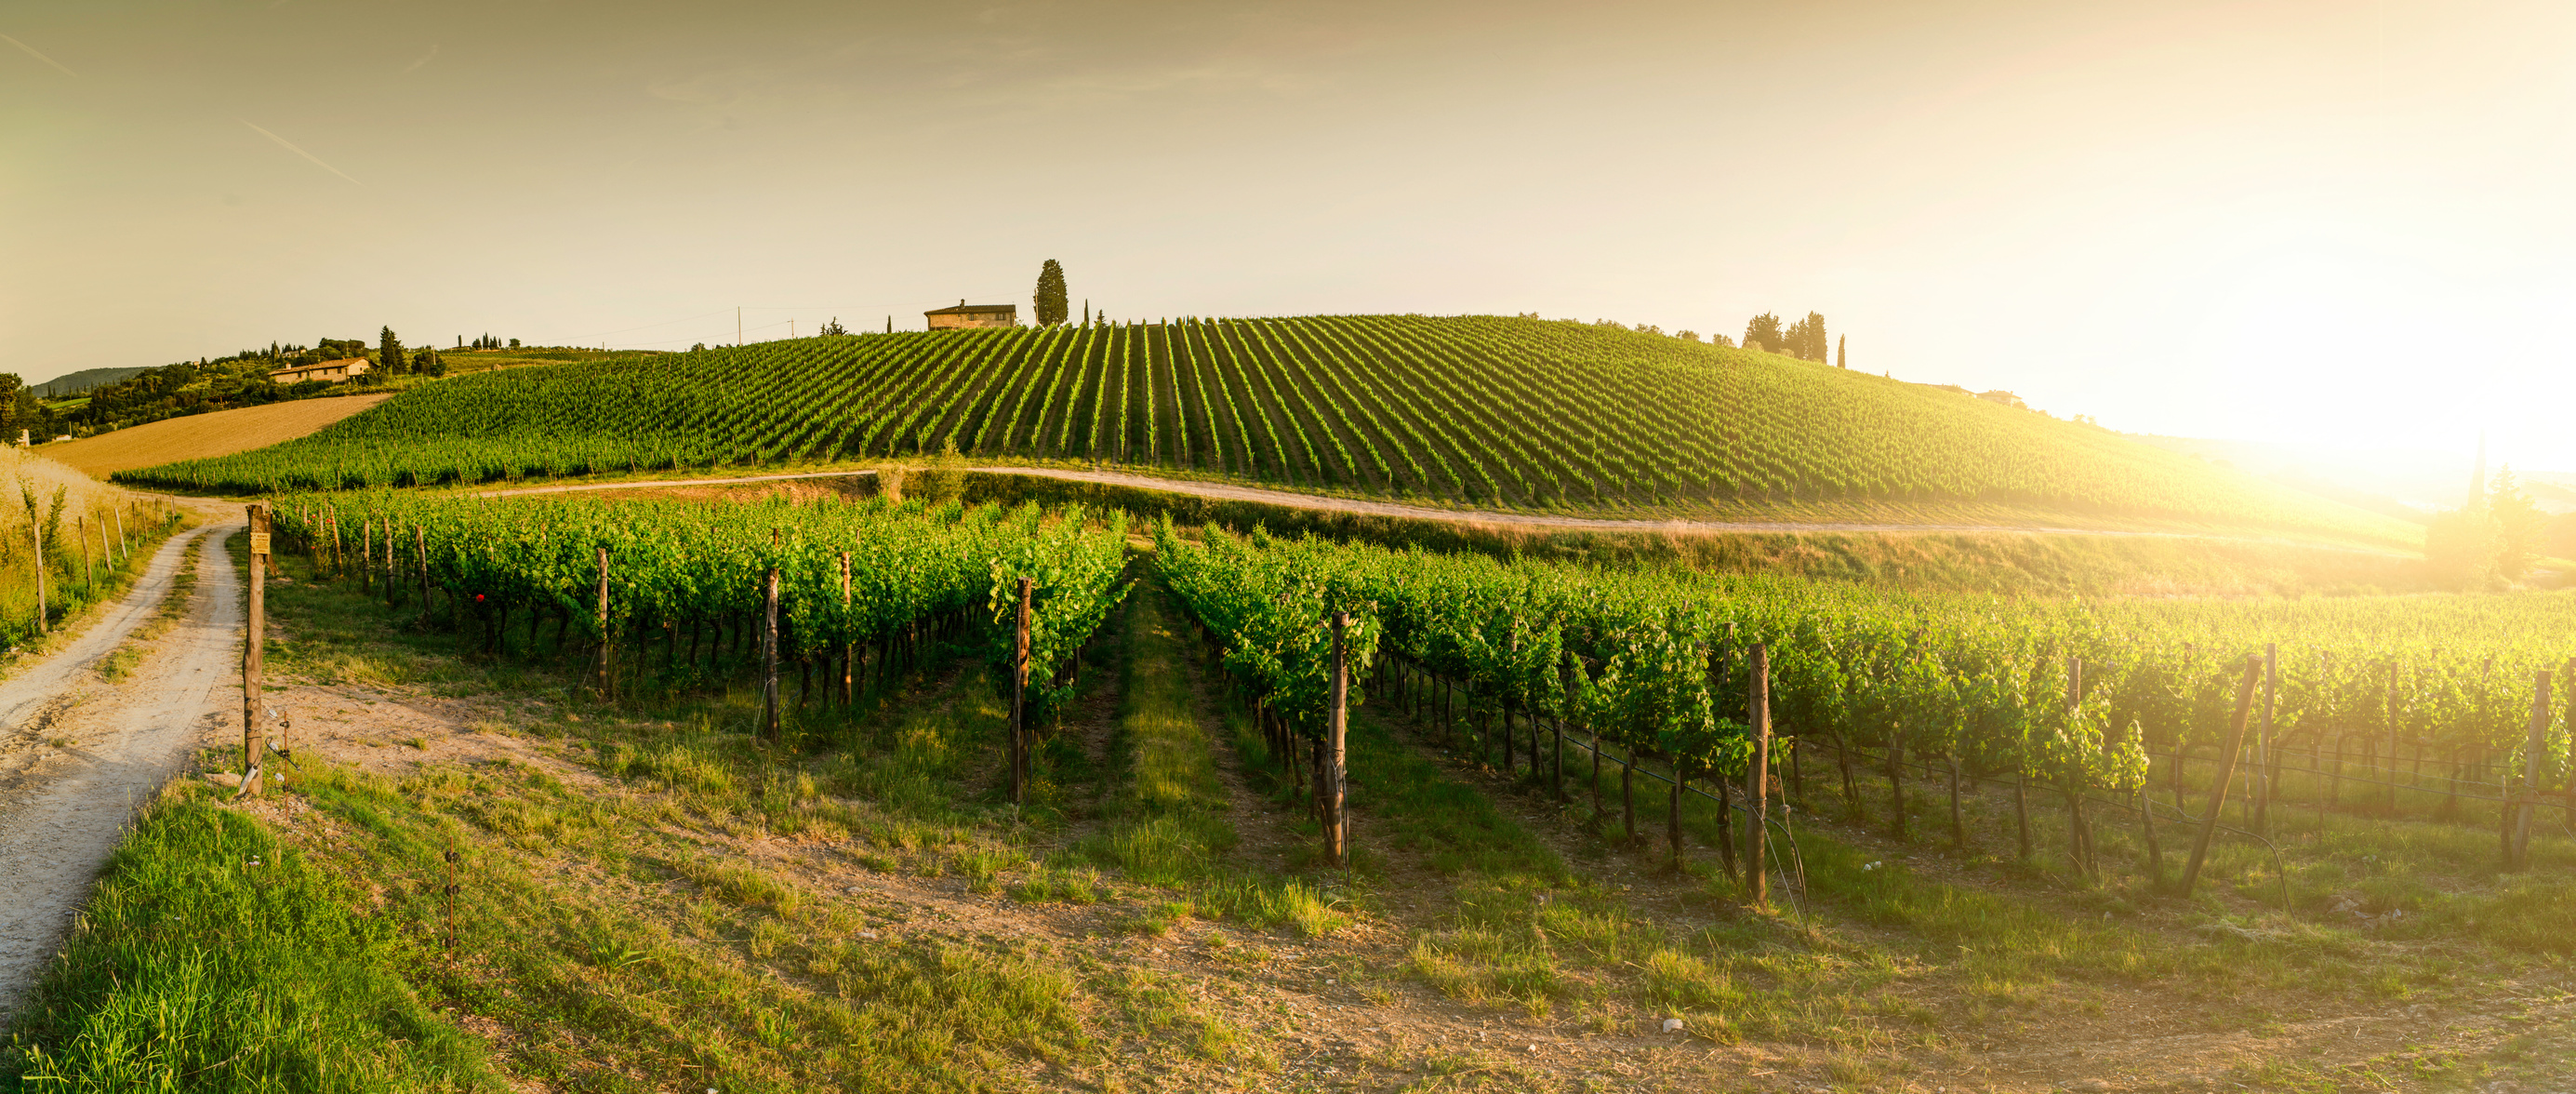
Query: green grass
{"x": 609, "y": 936}
{"x": 215, "y": 957}
{"x": 1168, "y": 822}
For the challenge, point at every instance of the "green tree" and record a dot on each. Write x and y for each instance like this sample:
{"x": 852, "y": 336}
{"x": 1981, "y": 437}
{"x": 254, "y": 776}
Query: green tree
{"x": 11, "y": 414}
{"x": 1842, "y": 352}
{"x": 1051, "y": 305}
{"x": 2462, "y": 547}
{"x": 389, "y": 352}
{"x": 832, "y": 329}
{"x": 2558, "y": 537}
{"x": 1763, "y": 333}
{"x": 1805, "y": 339}
{"x": 2520, "y": 526}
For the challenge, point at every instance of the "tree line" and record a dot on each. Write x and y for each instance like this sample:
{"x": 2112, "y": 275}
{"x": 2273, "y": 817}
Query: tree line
{"x": 236, "y": 380}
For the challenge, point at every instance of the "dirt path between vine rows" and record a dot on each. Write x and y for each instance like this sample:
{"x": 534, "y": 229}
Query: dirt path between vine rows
{"x": 78, "y": 753}
{"x": 1332, "y": 504}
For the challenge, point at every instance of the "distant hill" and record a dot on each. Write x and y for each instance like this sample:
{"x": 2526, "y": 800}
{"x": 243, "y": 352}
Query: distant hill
{"x": 77, "y": 382}
{"x": 1481, "y": 411}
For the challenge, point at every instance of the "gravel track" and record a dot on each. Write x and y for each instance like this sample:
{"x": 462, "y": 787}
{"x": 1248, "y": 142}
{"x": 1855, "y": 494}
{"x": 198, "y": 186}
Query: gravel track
{"x": 78, "y": 754}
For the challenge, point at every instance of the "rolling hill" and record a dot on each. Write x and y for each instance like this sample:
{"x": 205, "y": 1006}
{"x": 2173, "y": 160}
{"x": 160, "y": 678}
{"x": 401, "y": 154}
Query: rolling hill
{"x": 73, "y": 383}
{"x": 196, "y": 436}
{"x": 1470, "y": 410}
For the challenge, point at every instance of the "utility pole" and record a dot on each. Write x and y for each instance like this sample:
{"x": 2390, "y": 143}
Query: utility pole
{"x": 737, "y": 324}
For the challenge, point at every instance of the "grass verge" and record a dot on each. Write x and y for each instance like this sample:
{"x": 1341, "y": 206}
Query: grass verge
{"x": 214, "y": 957}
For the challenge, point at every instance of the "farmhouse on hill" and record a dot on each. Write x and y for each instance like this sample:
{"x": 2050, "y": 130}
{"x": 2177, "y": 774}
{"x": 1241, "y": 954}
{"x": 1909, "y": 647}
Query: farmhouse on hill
{"x": 328, "y": 371}
{"x": 967, "y": 316}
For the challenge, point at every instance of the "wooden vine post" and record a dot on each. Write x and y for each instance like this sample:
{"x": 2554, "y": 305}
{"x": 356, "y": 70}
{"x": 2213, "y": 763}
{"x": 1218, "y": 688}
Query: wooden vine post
{"x": 2535, "y": 752}
{"x": 420, "y": 541}
{"x": 2079, "y": 838}
{"x": 1757, "y": 780}
{"x": 1020, "y": 691}
{"x": 36, "y": 530}
{"x": 601, "y": 686}
{"x": 849, "y": 649}
{"x": 2263, "y": 760}
{"x": 2226, "y": 772}
{"x": 254, "y": 637}
{"x": 769, "y": 654}
{"x": 2569, "y": 671}
{"x": 1337, "y": 832}
{"x": 2392, "y": 736}
{"x": 367, "y": 556}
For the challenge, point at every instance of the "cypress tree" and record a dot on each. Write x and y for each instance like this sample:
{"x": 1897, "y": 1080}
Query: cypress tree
{"x": 1842, "y": 352}
{"x": 389, "y": 352}
{"x": 1051, "y": 303}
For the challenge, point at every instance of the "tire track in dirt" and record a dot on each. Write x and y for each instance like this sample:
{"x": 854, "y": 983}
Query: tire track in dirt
{"x": 61, "y": 816}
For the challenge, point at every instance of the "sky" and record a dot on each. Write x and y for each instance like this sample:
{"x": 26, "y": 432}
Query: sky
{"x": 2342, "y": 225}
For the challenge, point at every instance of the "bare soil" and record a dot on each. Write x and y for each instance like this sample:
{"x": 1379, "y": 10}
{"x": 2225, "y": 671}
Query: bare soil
{"x": 199, "y": 436}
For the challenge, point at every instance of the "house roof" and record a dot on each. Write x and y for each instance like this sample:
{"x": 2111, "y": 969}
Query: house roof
{"x": 963, "y": 308}
{"x": 344, "y": 362}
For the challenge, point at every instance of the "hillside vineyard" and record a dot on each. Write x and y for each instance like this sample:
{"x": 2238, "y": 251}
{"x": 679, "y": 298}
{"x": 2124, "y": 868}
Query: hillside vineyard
{"x": 1475, "y": 410}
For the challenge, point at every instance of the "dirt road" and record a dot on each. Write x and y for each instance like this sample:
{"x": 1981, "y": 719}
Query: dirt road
{"x": 78, "y": 754}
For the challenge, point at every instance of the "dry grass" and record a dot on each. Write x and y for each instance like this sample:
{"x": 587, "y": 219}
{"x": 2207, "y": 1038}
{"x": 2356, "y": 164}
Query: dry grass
{"x": 221, "y": 433}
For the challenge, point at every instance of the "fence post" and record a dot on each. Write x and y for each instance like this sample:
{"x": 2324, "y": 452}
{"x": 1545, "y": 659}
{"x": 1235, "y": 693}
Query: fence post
{"x": 2079, "y": 833}
{"x": 2226, "y": 772}
{"x": 1337, "y": 835}
{"x": 420, "y": 543}
{"x": 1757, "y": 775}
{"x": 254, "y": 637}
{"x": 2534, "y": 754}
{"x": 769, "y": 654}
{"x": 1019, "y": 691}
{"x": 2569, "y": 671}
{"x": 367, "y": 556}
{"x": 849, "y": 648}
{"x": 2263, "y": 737}
{"x": 2392, "y": 736}
{"x": 603, "y": 622}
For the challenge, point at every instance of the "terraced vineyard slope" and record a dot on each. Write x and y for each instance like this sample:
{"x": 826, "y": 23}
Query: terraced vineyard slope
{"x": 1472, "y": 409}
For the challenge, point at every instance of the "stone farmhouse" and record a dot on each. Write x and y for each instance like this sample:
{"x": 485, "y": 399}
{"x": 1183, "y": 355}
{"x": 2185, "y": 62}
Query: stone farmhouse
{"x": 967, "y": 316}
{"x": 330, "y": 371}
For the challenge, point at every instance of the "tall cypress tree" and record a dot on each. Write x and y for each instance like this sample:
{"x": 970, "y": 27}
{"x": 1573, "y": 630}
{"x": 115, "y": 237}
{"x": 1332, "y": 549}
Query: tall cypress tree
{"x": 1842, "y": 352}
{"x": 389, "y": 352}
{"x": 1051, "y": 303}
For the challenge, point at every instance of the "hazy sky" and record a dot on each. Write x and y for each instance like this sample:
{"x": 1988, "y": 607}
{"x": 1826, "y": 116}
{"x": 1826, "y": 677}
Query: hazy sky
{"x": 2339, "y": 223}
